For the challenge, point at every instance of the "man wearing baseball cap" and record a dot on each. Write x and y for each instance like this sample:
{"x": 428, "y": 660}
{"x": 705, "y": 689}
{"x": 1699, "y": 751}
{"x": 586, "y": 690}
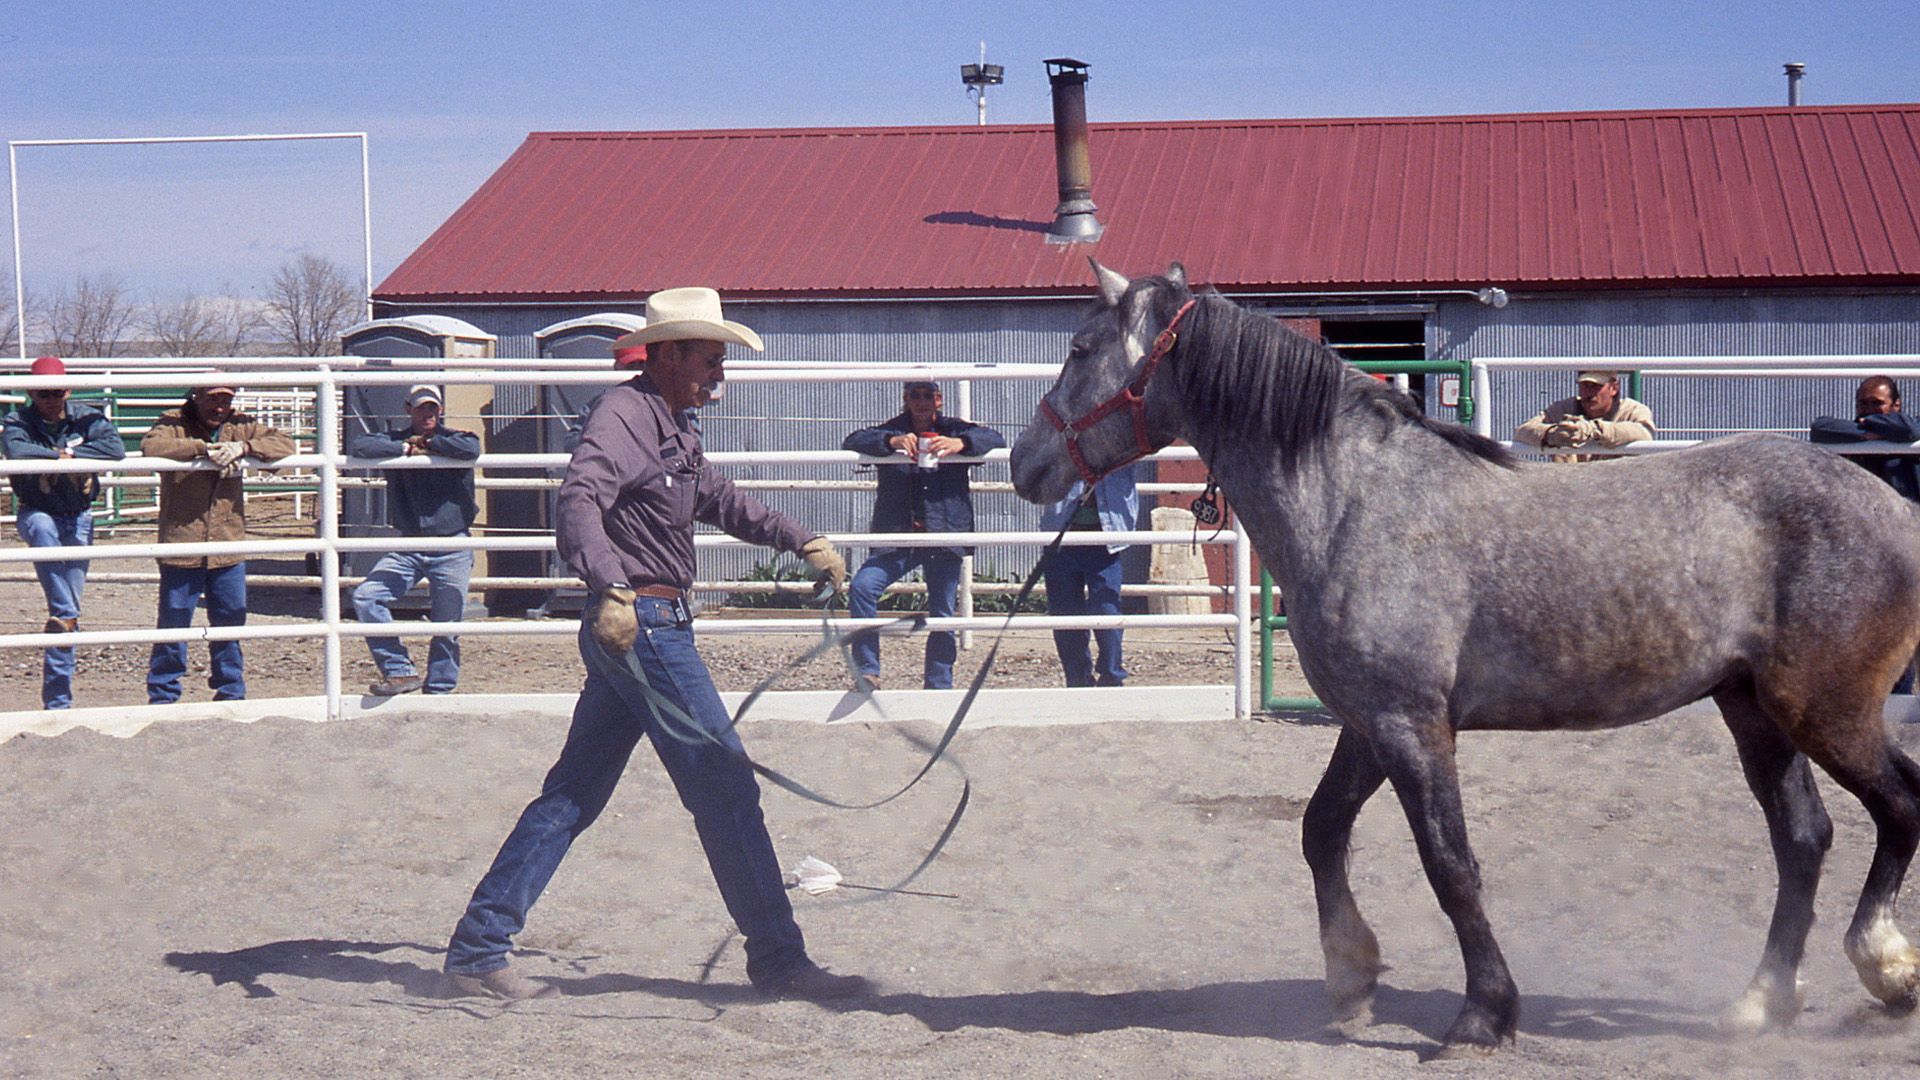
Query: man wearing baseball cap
{"x": 420, "y": 502}
{"x": 1599, "y": 417}
{"x": 56, "y": 509}
{"x": 206, "y": 505}
{"x": 635, "y": 487}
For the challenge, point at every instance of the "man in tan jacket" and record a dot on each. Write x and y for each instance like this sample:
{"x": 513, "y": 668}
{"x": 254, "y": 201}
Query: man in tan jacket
{"x": 1598, "y": 418}
{"x": 203, "y": 506}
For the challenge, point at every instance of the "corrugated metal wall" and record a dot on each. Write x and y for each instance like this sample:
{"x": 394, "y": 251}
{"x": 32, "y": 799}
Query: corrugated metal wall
{"x": 818, "y": 415}
{"x": 1681, "y": 325}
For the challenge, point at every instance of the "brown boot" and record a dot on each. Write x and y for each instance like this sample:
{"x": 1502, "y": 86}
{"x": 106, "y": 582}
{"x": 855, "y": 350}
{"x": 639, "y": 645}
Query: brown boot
{"x": 57, "y": 625}
{"x": 503, "y": 983}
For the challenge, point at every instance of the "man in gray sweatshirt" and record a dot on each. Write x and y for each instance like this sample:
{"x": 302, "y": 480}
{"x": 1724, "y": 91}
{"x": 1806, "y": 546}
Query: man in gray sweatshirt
{"x": 420, "y": 502}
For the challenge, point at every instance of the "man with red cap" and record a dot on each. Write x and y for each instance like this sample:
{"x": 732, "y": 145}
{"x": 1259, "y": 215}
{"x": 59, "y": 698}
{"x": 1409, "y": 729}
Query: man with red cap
{"x": 204, "y": 506}
{"x": 56, "y": 509}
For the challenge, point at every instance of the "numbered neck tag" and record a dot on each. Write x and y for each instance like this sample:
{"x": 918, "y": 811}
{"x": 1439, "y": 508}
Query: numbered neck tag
{"x": 1206, "y": 508}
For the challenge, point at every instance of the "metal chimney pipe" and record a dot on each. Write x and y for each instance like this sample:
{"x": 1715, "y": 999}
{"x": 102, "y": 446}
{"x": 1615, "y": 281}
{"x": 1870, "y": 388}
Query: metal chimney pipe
{"x": 1795, "y": 71}
{"x": 1073, "y": 220}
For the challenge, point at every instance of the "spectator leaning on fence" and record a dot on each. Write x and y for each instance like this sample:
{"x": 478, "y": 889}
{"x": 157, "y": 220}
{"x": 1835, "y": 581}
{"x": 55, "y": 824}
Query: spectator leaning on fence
{"x": 1877, "y": 417}
{"x": 420, "y": 502}
{"x": 205, "y": 506}
{"x": 1085, "y": 580}
{"x": 918, "y": 495}
{"x": 55, "y": 509}
{"x": 1598, "y": 418}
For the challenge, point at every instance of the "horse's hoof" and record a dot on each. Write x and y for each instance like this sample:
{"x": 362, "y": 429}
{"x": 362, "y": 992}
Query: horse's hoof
{"x": 1352, "y": 1023}
{"x": 1758, "y": 1011}
{"x": 1464, "y": 1052}
{"x": 1477, "y": 1032}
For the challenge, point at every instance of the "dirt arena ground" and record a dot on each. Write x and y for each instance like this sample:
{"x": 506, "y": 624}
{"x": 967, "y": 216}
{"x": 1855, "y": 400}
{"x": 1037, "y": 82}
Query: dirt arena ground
{"x": 1124, "y": 899}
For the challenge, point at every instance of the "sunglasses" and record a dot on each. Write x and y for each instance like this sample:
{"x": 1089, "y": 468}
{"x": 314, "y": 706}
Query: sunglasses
{"x": 50, "y": 393}
{"x": 916, "y": 394}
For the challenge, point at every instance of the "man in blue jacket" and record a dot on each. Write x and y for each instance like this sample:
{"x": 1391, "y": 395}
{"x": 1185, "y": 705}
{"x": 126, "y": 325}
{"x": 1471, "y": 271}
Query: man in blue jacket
{"x": 55, "y": 509}
{"x": 1085, "y": 580}
{"x": 917, "y": 494}
{"x": 420, "y": 502}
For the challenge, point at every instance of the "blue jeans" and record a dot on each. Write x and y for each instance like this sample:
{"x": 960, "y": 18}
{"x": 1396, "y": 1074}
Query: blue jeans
{"x": 61, "y": 580}
{"x": 883, "y": 568}
{"x": 446, "y": 573}
{"x": 181, "y": 589}
{"x": 717, "y": 786}
{"x": 1086, "y": 581}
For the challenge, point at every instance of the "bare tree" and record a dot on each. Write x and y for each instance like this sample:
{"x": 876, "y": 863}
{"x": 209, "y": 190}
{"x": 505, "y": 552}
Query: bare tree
{"x": 10, "y": 328}
{"x": 195, "y": 325}
{"x": 309, "y": 302}
{"x": 91, "y": 318}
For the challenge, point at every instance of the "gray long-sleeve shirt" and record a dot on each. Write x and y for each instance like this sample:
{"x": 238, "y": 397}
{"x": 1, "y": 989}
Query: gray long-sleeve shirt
{"x": 636, "y": 485}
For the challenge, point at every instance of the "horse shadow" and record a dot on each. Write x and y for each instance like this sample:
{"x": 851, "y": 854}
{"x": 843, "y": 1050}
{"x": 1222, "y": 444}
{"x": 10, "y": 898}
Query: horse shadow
{"x": 1283, "y": 1010}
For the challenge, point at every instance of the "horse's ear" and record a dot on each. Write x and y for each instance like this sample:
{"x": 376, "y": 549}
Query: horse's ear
{"x": 1113, "y": 286}
{"x": 1177, "y": 274}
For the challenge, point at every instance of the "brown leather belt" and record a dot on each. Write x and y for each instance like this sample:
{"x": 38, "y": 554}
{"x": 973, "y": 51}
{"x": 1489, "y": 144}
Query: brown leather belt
{"x": 658, "y": 592}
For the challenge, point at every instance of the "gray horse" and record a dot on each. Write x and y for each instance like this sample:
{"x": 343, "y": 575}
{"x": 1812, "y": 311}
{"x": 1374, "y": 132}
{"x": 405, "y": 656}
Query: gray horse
{"x": 1436, "y": 585}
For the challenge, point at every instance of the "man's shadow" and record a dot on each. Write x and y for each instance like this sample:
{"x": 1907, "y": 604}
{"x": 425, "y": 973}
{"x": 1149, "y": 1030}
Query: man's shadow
{"x": 1287, "y": 1010}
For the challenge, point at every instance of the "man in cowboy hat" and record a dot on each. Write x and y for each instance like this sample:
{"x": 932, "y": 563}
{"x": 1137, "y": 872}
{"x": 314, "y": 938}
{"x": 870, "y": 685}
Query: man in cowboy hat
{"x": 420, "y": 502}
{"x": 1599, "y": 417}
{"x": 203, "y": 506}
{"x": 635, "y": 487}
{"x": 55, "y": 509}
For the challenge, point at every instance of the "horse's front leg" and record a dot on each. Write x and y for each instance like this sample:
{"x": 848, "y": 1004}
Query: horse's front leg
{"x": 1416, "y": 753}
{"x": 1353, "y": 953}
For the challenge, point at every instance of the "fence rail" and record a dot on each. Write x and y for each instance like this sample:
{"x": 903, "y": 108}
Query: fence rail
{"x": 296, "y": 379}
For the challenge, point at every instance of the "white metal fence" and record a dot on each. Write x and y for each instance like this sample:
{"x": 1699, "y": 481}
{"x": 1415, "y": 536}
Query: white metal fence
{"x": 322, "y": 380}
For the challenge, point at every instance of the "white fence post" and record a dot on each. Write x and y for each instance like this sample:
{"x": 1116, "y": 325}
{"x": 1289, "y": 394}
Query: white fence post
{"x": 327, "y": 515}
{"x": 1243, "y": 615}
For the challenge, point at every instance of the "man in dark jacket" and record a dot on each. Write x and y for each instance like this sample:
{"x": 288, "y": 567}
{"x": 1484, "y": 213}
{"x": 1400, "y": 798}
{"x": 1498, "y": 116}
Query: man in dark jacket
{"x": 917, "y": 494}
{"x": 54, "y": 509}
{"x": 420, "y": 502}
{"x": 1877, "y": 418}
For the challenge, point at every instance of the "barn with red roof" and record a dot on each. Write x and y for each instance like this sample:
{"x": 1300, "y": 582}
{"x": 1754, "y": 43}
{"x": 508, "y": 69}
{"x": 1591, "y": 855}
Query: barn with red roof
{"x": 1647, "y": 232}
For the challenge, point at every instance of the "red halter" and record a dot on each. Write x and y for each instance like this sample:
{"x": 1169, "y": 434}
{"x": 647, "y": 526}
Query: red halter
{"x": 1131, "y": 397}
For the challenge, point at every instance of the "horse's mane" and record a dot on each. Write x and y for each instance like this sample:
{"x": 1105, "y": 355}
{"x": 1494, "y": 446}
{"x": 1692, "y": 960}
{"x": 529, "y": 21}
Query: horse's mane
{"x": 1255, "y": 379}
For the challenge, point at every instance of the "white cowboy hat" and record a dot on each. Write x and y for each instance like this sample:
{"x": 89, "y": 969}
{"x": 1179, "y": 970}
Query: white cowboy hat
{"x": 690, "y": 314}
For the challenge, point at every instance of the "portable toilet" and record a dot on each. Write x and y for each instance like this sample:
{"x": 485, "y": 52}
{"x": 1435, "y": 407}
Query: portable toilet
{"x": 409, "y": 341}
{"x": 562, "y": 410}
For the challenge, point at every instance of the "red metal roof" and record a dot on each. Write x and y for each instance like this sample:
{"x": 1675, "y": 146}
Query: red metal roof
{"x": 1698, "y": 197}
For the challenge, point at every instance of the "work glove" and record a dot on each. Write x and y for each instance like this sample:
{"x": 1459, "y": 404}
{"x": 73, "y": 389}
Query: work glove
{"x": 612, "y": 621}
{"x": 824, "y": 561}
{"x": 227, "y": 455}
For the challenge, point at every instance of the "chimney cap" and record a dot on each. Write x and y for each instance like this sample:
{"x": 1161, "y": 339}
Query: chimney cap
{"x": 1067, "y": 65}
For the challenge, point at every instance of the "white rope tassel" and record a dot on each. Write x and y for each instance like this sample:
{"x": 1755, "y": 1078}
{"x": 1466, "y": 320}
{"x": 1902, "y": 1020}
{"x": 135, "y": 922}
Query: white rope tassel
{"x": 815, "y": 875}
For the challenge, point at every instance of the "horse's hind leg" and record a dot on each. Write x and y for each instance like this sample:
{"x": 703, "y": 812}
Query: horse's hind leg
{"x": 1352, "y": 952}
{"x": 1416, "y": 753}
{"x": 1887, "y": 783}
{"x": 1797, "y": 823}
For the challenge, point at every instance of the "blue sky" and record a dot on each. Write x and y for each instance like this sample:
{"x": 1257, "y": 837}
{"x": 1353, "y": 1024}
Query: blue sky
{"x": 447, "y": 90}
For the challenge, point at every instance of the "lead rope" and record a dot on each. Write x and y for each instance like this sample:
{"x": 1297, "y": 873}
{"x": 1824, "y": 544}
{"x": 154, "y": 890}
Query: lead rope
{"x": 675, "y": 721}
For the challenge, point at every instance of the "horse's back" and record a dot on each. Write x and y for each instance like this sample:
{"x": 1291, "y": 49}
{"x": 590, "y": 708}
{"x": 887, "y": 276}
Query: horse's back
{"x": 1633, "y": 586}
